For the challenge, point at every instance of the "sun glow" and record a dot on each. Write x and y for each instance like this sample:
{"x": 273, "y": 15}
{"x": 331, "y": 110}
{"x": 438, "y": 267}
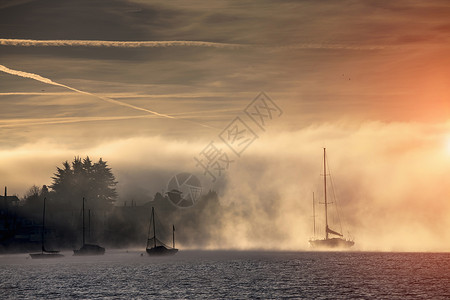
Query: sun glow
{"x": 447, "y": 144}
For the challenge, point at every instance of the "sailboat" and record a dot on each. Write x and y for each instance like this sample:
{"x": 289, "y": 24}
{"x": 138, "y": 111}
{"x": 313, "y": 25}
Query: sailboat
{"x": 337, "y": 239}
{"x": 44, "y": 252}
{"x": 88, "y": 249}
{"x": 154, "y": 246}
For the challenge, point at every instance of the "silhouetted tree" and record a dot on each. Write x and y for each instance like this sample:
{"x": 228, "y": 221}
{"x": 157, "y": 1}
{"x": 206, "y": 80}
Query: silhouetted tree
{"x": 82, "y": 178}
{"x": 31, "y": 199}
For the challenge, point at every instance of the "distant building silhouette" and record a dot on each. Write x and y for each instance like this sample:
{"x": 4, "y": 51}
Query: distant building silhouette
{"x": 8, "y": 205}
{"x": 16, "y": 232}
{"x": 8, "y": 201}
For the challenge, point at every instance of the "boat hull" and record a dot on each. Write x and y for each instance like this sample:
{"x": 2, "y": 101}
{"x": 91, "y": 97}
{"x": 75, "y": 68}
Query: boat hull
{"x": 161, "y": 251}
{"x": 45, "y": 255}
{"x": 89, "y": 249}
{"x": 333, "y": 243}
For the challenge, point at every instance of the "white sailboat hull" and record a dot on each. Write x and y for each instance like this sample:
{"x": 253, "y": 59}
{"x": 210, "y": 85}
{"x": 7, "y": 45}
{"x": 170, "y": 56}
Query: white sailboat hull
{"x": 333, "y": 243}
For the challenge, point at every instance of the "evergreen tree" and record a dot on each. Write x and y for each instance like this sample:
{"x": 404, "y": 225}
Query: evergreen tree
{"x": 82, "y": 178}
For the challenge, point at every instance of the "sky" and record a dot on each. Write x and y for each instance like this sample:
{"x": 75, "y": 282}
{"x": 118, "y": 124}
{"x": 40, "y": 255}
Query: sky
{"x": 148, "y": 85}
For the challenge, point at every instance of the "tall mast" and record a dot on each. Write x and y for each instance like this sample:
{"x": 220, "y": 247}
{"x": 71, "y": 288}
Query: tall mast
{"x": 149, "y": 229}
{"x": 83, "y": 223}
{"x": 173, "y": 236}
{"x": 154, "y": 229}
{"x": 6, "y": 203}
{"x": 43, "y": 227}
{"x": 314, "y": 216}
{"x": 325, "y": 192}
{"x": 89, "y": 224}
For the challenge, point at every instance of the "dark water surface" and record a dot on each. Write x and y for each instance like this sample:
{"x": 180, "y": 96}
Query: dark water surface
{"x": 228, "y": 275}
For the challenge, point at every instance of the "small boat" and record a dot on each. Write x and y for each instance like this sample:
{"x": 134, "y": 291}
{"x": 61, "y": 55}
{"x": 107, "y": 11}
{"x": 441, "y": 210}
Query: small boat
{"x": 44, "y": 252}
{"x": 154, "y": 246}
{"x": 338, "y": 241}
{"x": 88, "y": 249}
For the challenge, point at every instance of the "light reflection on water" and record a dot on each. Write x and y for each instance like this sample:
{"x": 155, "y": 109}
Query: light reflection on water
{"x": 228, "y": 274}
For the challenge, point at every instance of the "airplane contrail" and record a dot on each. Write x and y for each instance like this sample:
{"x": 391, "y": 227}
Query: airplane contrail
{"x": 334, "y": 47}
{"x": 114, "y": 44}
{"x": 49, "y": 81}
{"x": 133, "y": 95}
{"x": 154, "y": 44}
{"x": 34, "y": 94}
{"x": 63, "y": 120}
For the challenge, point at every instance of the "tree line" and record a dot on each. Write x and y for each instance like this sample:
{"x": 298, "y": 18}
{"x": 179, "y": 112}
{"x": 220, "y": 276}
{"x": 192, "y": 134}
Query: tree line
{"x": 113, "y": 226}
{"x": 73, "y": 181}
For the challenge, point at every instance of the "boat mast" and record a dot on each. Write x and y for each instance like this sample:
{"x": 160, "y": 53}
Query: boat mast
{"x": 314, "y": 216}
{"x": 154, "y": 229}
{"x": 43, "y": 227}
{"x": 325, "y": 192}
{"x": 173, "y": 236}
{"x": 83, "y": 223}
{"x": 89, "y": 224}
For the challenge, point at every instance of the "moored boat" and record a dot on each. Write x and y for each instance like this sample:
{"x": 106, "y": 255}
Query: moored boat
{"x": 44, "y": 252}
{"x": 88, "y": 249}
{"x": 155, "y": 247}
{"x": 337, "y": 241}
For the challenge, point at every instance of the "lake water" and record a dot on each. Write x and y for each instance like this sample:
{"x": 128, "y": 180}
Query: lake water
{"x": 228, "y": 275}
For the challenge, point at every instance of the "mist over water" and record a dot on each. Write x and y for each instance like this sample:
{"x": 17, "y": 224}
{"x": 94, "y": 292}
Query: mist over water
{"x": 228, "y": 274}
{"x": 388, "y": 193}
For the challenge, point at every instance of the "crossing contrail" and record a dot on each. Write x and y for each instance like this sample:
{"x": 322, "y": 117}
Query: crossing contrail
{"x": 116, "y": 102}
{"x": 49, "y": 81}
